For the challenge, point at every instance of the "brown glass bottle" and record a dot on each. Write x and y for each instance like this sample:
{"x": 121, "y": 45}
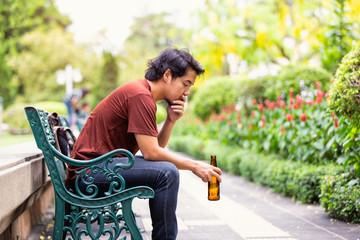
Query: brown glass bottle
{"x": 213, "y": 185}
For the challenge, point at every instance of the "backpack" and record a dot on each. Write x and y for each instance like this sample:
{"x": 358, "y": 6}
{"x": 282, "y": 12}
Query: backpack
{"x": 64, "y": 137}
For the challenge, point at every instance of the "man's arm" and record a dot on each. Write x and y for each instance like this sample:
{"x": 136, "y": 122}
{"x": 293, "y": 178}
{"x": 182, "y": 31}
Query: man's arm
{"x": 165, "y": 132}
{"x": 174, "y": 112}
{"x": 151, "y": 150}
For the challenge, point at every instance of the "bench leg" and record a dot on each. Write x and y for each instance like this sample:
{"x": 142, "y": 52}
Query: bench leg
{"x": 58, "y": 233}
{"x": 130, "y": 219}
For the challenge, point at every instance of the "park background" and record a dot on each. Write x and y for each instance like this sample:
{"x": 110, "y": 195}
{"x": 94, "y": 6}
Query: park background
{"x": 274, "y": 104}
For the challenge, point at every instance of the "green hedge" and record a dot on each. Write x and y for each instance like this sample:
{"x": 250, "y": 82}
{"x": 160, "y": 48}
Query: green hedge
{"x": 189, "y": 145}
{"x": 297, "y": 180}
{"x": 344, "y": 97}
{"x": 223, "y": 91}
{"x": 336, "y": 190}
{"x": 214, "y": 94}
{"x": 340, "y": 196}
{"x": 290, "y": 77}
{"x": 294, "y": 179}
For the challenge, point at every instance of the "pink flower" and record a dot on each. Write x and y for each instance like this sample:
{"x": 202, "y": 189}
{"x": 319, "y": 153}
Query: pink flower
{"x": 282, "y": 129}
{"x": 261, "y": 107}
{"x": 262, "y": 121}
{"x": 303, "y": 117}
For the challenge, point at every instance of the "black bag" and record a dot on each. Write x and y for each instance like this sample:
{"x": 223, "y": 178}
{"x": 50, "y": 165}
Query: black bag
{"x": 64, "y": 137}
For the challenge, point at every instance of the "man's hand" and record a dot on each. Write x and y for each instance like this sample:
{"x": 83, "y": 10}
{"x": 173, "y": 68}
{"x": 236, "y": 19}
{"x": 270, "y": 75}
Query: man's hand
{"x": 205, "y": 171}
{"x": 176, "y": 109}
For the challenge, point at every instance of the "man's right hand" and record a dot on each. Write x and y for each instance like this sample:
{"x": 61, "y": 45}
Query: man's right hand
{"x": 205, "y": 171}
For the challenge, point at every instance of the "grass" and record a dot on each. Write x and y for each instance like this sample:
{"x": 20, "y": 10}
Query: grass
{"x": 7, "y": 139}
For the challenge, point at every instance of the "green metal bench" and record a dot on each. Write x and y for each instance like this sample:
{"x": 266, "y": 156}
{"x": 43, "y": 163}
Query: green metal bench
{"x": 77, "y": 212}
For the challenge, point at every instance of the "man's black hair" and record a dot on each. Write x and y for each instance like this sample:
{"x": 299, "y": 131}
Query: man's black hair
{"x": 177, "y": 60}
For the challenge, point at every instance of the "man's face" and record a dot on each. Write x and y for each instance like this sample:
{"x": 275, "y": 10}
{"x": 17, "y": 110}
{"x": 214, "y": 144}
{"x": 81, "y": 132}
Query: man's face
{"x": 179, "y": 88}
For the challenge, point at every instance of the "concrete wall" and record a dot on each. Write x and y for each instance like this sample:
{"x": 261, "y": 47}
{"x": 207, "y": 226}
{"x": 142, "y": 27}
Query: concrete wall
{"x": 25, "y": 190}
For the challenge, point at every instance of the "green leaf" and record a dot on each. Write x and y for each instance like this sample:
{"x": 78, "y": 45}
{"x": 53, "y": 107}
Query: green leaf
{"x": 330, "y": 143}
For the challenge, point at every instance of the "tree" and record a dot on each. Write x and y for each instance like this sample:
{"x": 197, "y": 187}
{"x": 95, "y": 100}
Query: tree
{"x": 18, "y": 17}
{"x": 149, "y": 35}
{"x": 274, "y": 31}
{"x": 44, "y": 53}
{"x": 108, "y": 80}
{"x": 337, "y": 35}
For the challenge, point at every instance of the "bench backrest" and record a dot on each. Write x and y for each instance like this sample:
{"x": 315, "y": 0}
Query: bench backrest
{"x": 44, "y": 137}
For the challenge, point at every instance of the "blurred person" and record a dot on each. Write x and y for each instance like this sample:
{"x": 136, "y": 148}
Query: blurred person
{"x": 82, "y": 114}
{"x": 72, "y": 100}
{"x": 127, "y": 119}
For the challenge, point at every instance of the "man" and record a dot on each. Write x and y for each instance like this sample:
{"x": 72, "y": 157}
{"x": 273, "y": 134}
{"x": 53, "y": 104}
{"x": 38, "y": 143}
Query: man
{"x": 127, "y": 119}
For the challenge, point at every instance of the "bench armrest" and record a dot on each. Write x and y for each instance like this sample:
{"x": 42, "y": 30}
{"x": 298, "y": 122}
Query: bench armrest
{"x": 91, "y": 190}
{"x": 98, "y": 160}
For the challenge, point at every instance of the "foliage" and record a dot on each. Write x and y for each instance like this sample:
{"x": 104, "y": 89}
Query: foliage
{"x": 337, "y": 36}
{"x": 188, "y": 144}
{"x": 344, "y": 101}
{"x": 16, "y": 119}
{"x": 149, "y": 35}
{"x": 297, "y": 32}
{"x": 16, "y": 19}
{"x": 45, "y": 54}
{"x": 6, "y": 88}
{"x": 340, "y": 194}
{"x": 299, "y": 78}
{"x": 213, "y": 94}
{"x": 344, "y": 93}
{"x": 161, "y": 113}
{"x": 299, "y": 181}
{"x": 108, "y": 80}
{"x": 295, "y": 129}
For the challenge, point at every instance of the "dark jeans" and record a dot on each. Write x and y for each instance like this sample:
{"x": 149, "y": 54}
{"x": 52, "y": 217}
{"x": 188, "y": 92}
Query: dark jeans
{"x": 161, "y": 176}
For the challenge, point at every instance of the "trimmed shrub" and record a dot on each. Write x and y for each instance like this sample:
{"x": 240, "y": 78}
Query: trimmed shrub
{"x": 214, "y": 94}
{"x": 188, "y": 144}
{"x": 222, "y": 153}
{"x": 291, "y": 76}
{"x": 345, "y": 92}
{"x": 340, "y": 196}
{"x": 294, "y": 179}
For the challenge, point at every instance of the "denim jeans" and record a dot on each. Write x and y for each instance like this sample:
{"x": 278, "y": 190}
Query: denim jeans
{"x": 163, "y": 178}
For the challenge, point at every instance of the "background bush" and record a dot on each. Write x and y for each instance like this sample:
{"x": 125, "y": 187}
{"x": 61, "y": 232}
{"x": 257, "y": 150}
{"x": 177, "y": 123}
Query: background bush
{"x": 160, "y": 113}
{"x": 214, "y": 94}
{"x": 15, "y": 115}
{"x": 340, "y": 194}
{"x": 294, "y": 179}
{"x": 345, "y": 92}
{"x": 291, "y": 77}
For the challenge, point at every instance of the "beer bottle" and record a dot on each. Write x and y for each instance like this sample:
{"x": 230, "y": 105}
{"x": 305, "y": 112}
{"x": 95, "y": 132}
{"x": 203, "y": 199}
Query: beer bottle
{"x": 213, "y": 185}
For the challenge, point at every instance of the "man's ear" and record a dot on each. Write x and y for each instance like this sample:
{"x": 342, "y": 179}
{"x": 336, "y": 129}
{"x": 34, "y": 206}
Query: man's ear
{"x": 167, "y": 75}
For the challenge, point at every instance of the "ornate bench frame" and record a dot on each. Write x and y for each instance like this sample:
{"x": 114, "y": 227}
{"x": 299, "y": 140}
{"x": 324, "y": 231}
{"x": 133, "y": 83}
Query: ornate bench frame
{"x": 77, "y": 210}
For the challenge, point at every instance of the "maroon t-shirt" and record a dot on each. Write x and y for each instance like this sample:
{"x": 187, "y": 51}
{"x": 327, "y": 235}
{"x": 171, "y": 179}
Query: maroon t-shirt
{"x": 129, "y": 109}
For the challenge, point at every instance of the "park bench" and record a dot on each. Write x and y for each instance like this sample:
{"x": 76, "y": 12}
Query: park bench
{"x": 78, "y": 211}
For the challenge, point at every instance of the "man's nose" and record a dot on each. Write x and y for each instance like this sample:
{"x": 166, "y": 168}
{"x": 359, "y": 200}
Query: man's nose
{"x": 187, "y": 93}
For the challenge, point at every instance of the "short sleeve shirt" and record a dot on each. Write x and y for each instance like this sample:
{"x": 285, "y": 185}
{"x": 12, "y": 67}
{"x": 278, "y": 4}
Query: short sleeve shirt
{"x": 129, "y": 109}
